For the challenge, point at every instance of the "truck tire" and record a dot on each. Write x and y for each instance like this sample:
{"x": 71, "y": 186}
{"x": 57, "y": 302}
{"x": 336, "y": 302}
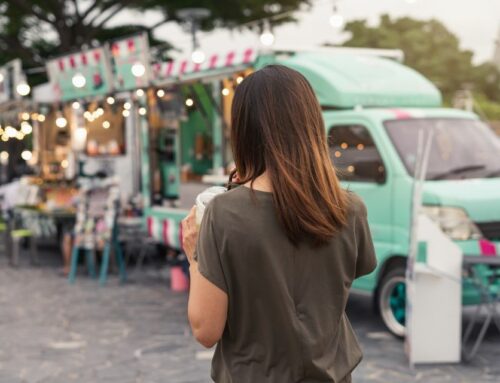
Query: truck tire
{"x": 391, "y": 301}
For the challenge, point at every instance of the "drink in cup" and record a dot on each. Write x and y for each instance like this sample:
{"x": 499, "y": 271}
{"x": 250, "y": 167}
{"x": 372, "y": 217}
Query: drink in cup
{"x": 204, "y": 198}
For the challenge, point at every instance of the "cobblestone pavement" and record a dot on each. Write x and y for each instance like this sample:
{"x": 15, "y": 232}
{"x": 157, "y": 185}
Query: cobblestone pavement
{"x": 51, "y": 332}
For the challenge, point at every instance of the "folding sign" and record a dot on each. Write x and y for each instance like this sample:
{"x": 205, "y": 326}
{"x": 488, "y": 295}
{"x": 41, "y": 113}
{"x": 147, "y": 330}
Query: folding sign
{"x": 81, "y": 74}
{"x": 130, "y": 62}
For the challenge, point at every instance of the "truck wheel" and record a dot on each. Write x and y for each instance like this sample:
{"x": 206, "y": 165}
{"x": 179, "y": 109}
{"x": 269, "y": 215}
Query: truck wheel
{"x": 391, "y": 299}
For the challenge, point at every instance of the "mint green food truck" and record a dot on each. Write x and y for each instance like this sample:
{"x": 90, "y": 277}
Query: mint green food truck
{"x": 374, "y": 108}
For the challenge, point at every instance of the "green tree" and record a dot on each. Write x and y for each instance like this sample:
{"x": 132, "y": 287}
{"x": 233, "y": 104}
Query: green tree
{"x": 428, "y": 47}
{"x": 34, "y": 30}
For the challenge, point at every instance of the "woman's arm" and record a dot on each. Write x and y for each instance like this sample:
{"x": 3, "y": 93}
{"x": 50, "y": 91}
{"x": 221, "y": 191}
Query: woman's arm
{"x": 207, "y": 307}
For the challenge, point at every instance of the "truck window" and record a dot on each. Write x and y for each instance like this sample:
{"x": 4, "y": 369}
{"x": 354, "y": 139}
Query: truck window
{"x": 355, "y": 155}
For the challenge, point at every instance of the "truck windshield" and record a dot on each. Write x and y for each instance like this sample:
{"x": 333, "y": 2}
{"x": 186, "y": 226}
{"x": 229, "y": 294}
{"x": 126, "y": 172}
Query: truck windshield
{"x": 461, "y": 148}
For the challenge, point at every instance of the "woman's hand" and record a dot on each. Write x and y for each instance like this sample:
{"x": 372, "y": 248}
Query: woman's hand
{"x": 189, "y": 234}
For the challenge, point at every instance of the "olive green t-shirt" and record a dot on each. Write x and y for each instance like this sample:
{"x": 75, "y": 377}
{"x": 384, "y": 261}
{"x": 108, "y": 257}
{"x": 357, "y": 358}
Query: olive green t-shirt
{"x": 286, "y": 319}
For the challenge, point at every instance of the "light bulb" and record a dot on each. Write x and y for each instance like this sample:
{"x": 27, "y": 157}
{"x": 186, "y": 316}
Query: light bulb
{"x": 336, "y": 19}
{"x": 189, "y": 102}
{"x": 139, "y": 93}
{"x": 110, "y": 100}
{"x": 126, "y": 113}
{"x": 10, "y": 132}
{"x": 25, "y": 116}
{"x": 61, "y": 122}
{"x": 64, "y": 164}
{"x": 1, "y": 77}
{"x": 26, "y": 128}
{"x": 26, "y": 155}
{"x": 225, "y": 92}
{"x": 41, "y": 118}
{"x": 239, "y": 79}
{"x": 142, "y": 111}
{"x": 267, "y": 38}
{"x": 76, "y": 105}
{"x": 106, "y": 125}
{"x": 138, "y": 69}
{"x": 160, "y": 93}
{"x": 78, "y": 80}
{"x": 267, "y": 35}
{"x": 23, "y": 89}
{"x": 198, "y": 56}
{"x": 127, "y": 106}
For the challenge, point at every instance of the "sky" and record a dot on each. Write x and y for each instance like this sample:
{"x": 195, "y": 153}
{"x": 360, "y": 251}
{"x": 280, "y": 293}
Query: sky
{"x": 475, "y": 22}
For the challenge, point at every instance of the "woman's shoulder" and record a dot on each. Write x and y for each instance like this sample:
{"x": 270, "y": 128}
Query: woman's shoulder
{"x": 355, "y": 204}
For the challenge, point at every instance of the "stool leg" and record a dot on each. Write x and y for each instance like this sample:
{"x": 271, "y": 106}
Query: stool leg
{"x": 105, "y": 264}
{"x": 120, "y": 261}
{"x": 89, "y": 258}
{"x": 14, "y": 260}
{"x": 33, "y": 251}
{"x": 74, "y": 264}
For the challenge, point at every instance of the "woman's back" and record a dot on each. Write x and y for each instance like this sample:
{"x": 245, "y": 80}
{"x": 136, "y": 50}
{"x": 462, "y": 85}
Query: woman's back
{"x": 286, "y": 319}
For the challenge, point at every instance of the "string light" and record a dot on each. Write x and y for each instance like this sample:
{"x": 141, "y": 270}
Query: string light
{"x": 160, "y": 93}
{"x": 76, "y": 105}
{"x": 127, "y": 105}
{"x": 126, "y": 113}
{"x": 61, "y": 122}
{"x": 5, "y": 137}
{"x": 198, "y": 56}
{"x": 110, "y": 100}
{"x": 78, "y": 80}
{"x": 267, "y": 35}
{"x": 139, "y": 93}
{"x": 10, "y": 132}
{"x": 41, "y": 118}
{"x": 336, "y": 19}
{"x": 225, "y": 92}
{"x": 142, "y": 111}
{"x": 20, "y": 136}
{"x": 344, "y": 145}
{"x": 25, "y": 116}
{"x": 189, "y": 102}
{"x": 23, "y": 88}
{"x": 26, "y": 155}
{"x": 106, "y": 125}
{"x": 138, "y": 69}
{"x": 26, "y": 128}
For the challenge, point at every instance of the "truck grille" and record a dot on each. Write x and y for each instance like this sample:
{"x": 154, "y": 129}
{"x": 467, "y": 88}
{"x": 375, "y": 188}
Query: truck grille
{"x": 491, "y": 230}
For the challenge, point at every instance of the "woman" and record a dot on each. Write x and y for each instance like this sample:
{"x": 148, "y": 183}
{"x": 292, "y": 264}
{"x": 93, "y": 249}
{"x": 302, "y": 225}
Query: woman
{"x": 275, "y": 257}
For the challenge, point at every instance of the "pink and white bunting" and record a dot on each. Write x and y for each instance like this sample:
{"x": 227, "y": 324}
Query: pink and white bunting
{"x": 185, "y": 67}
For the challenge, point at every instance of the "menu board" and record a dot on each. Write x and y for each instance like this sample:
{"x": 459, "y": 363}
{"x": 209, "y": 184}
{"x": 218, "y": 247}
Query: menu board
{"x": 130, "y": 62}
{"x": 81, "y": 74}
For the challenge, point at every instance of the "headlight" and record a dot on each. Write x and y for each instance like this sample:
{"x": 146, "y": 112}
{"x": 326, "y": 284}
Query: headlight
{"x": 454, "y": 222}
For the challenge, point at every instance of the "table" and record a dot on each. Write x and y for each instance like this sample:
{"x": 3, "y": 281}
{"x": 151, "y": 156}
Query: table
{"x": 488, "y": 284}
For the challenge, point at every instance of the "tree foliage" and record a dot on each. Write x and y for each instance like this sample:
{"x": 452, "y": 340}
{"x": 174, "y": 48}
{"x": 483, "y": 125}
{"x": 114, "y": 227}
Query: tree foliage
{"x": 35, "y": 30}
{"x": 432, "y": 50}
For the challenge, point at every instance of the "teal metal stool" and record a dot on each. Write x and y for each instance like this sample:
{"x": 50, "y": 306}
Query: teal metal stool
{"x": 89, "y": 258}
{"x": 112, "y": 245}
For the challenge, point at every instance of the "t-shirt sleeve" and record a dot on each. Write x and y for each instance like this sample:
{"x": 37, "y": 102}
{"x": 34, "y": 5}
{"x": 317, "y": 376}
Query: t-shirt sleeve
{"x": 207, "y": 253}
{"x": 366, "y": 260}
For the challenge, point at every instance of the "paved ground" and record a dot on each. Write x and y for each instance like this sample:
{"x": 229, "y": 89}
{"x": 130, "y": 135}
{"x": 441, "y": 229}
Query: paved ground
{"x": 51, "y": 332}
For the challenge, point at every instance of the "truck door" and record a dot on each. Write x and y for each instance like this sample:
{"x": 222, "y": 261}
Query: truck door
{"x": 361, "y": 169}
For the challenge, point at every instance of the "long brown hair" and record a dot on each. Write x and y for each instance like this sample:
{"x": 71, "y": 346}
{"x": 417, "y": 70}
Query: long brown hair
{"x": 277, "y": 127}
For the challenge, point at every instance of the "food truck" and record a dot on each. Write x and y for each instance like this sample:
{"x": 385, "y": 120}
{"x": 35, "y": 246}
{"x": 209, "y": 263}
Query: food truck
{"x": 374, "y": 108}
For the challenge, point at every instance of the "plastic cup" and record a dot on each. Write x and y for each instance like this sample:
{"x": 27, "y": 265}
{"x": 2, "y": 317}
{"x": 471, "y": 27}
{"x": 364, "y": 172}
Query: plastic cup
{"x": 203, "y": 199}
